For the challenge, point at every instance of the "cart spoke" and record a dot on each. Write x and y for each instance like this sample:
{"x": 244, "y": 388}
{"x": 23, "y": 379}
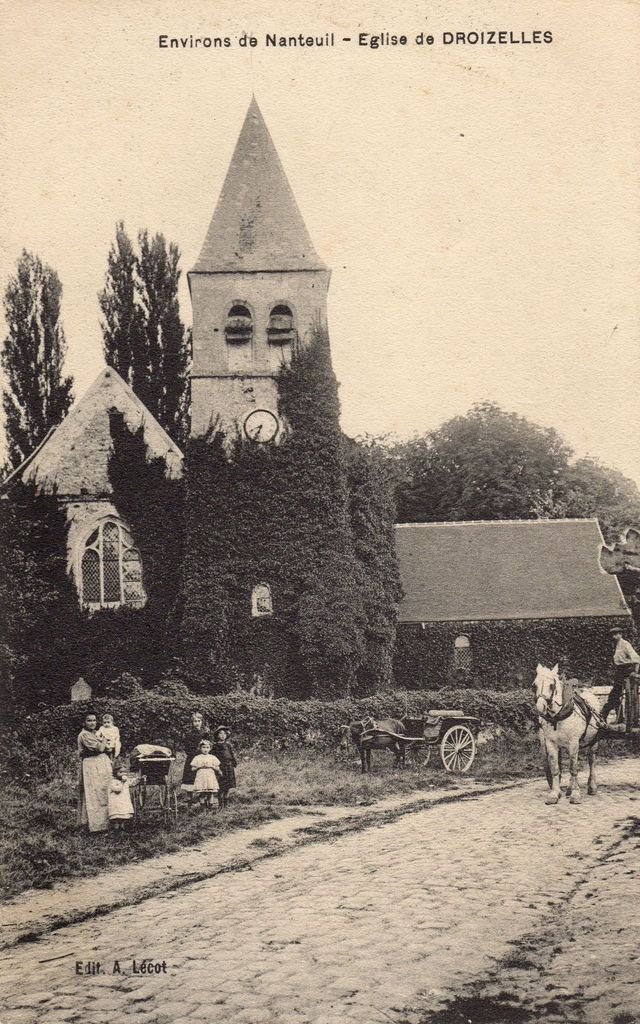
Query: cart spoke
{"x": 457, "y": 749}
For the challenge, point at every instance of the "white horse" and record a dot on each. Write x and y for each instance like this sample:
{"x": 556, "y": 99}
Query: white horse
{"x": 568, "y": 721}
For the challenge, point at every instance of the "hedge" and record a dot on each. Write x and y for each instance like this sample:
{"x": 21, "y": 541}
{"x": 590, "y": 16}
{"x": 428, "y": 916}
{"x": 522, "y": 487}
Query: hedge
{"x": 154, "y": 717}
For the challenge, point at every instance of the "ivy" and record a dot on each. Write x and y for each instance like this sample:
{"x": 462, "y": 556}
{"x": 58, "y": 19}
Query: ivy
{"x": 505, "y": 653}
{"x": 40, "y": 623}
{"x": 305, "y": 518}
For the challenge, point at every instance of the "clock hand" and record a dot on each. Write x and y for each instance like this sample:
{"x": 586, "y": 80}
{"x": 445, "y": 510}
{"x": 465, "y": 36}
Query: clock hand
{"x": 257, "y": 432}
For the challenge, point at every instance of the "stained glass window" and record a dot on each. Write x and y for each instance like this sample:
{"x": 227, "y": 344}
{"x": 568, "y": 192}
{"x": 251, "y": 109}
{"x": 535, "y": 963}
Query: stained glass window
{"x": 91, "y": 577}
{"x": 111, "y": 569}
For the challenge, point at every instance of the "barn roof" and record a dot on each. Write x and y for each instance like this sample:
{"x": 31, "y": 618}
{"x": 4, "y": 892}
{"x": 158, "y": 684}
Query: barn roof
{"x": 74, "y": 456}
{"x": 256, "y": 224}
{"x": 504, "y": 569}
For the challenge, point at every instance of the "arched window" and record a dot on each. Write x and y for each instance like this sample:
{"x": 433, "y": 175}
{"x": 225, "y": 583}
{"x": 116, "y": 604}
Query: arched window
{"x": 261, "y": 603}
{"x": 239, "y": 326}
{"x": 462, "y": 657}
{"x": 111, "y": 568}
{"x": 281, "y": 330}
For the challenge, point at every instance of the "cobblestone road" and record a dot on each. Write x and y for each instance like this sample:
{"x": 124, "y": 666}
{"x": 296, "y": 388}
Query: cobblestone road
{"x": 353, "y": 930}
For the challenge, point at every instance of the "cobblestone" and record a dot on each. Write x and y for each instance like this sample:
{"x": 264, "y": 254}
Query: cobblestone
{"x": 352, "y": 930}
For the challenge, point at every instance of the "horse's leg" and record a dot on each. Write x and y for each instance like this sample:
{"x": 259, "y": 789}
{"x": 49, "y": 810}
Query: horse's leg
{"x": 554, "y": 768}
{"x": 362, "y": 758}
{"x": 398, "y": 753}
{"x": 574, "y": 787}
{"x": 545, "y": 757}
{"x": 592, "y": 784}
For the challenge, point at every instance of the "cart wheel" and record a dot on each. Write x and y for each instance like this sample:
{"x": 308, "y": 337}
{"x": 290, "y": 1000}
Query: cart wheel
{"x": 426, "y": 751}
{"x": 164, "y": 796}
{"x": 142, "y": 792}
{"x": 457, "y": 749}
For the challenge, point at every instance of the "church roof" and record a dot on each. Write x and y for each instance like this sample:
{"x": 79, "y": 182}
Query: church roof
{"x": 505, "y": 569}
{"x": 74, "y": 456}
{"x": 257, "y": 224}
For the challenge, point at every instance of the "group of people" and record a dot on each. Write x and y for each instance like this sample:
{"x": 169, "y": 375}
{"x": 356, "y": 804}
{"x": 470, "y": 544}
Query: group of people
{"x": 210, "y": 765}
{"x": 104, "y": 797}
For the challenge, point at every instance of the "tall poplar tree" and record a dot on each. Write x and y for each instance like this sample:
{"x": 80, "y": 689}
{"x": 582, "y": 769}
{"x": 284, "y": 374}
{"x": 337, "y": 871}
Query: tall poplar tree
{"x": 37, "y": 394}
{"x": 144, "y": 338}
{"x": 123, "y": 337}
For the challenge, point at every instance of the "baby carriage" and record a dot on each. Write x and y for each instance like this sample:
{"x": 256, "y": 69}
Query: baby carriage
{"x": 154, "y": 781}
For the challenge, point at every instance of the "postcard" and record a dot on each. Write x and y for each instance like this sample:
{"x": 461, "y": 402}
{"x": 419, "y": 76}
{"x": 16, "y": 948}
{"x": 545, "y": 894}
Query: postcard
{"x": 320, "y": 511}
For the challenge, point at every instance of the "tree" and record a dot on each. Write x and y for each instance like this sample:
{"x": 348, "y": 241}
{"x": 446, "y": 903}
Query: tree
{"x": 144, "y": 338}
{"x": 372, "y": 515}
{"x": 152, "y": 504}
{"x": 489, "y": 464}
{"x": 39, "y": 615}
{"x": 38, "y": 394}
{"x": 593, "y": 489}
{"x": 123, "y": 337}
{"x": 169, "y": 344}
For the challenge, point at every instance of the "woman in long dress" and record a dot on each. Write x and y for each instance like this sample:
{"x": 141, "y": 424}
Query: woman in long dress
{"x": 94, "y": 779}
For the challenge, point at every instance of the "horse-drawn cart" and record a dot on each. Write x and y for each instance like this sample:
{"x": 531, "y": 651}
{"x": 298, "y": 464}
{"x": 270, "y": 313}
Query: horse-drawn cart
{"x": 452, "y": 732}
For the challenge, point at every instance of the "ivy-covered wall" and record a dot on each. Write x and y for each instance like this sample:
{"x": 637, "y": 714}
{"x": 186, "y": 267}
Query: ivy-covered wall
{"x": 504, "y": 653}
{"x": 307, "y": 517}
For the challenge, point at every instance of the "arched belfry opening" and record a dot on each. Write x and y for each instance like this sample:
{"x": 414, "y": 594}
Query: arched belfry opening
{"x": 256, "y": 289}
{"x": 239, "y": 326}
{"x": 281, "y": 328}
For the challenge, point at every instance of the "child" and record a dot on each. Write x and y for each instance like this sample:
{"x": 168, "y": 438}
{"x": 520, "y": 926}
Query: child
{"x": 111, "y": 734}
{"x": 225, "y": 754}
{"x": 207, "y": 769}
{"x": 199, "y": 731}
{"x": 120, "y": 805}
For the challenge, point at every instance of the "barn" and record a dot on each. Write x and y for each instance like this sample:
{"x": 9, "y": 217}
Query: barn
{"x": 485, "y": 601}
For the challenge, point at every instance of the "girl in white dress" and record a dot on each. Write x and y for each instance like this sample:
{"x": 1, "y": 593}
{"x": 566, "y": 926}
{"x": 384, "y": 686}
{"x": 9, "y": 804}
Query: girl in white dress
{"x": 120, "y": 805}
{"x": 207, "y": 769}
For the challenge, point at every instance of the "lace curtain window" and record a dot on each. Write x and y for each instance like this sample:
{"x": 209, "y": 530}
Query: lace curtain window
{"x": 462, "y": 657}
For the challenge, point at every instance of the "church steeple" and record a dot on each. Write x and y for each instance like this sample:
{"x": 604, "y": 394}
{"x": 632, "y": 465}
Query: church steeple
{"x": 256, "y": 224}
{"x": 256, "y": 289}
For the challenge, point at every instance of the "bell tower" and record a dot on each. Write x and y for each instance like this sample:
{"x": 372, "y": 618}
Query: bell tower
{"x": 256, "y": 289}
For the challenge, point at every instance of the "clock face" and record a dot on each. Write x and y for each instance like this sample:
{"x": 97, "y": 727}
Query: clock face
{"x": 261, "y": 426}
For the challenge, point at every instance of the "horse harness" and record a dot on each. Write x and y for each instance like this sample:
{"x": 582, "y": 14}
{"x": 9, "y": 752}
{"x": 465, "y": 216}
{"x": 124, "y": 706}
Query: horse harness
{"x": 573, "y": 701}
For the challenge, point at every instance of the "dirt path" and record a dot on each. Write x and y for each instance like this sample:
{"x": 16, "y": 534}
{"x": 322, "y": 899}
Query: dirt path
{"x": 385, "y": 924}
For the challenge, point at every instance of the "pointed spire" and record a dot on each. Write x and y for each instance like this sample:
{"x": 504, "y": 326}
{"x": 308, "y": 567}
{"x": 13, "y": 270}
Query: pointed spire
{"x": 257, "y": 224}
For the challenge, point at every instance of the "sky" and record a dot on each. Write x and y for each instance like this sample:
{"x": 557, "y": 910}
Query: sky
{"x": 478, "y": 204}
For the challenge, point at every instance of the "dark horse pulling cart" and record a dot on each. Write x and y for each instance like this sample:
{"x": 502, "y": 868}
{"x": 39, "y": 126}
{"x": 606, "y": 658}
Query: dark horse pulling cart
{"x": 453, "y": 732}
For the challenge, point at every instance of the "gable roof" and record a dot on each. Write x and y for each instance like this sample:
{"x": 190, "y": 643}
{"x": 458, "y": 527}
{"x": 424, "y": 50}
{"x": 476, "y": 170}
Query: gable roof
{"x": 504, "y": 569}
{"x": 74, "y": 456}
{"x": 256, "y": 224}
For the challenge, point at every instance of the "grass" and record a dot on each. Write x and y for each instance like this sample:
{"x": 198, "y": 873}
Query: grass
{"x": 40, "y": 843}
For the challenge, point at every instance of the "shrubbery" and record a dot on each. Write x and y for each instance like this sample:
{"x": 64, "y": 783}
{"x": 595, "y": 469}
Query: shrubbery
{"x": 155, "y": 717}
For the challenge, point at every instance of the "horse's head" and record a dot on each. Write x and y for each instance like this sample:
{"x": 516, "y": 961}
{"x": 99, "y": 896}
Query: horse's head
{"x": 547, "y": 686}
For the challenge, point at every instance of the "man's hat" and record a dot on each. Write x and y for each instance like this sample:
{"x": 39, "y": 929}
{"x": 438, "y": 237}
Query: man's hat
{"x": 616, "y": 629}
